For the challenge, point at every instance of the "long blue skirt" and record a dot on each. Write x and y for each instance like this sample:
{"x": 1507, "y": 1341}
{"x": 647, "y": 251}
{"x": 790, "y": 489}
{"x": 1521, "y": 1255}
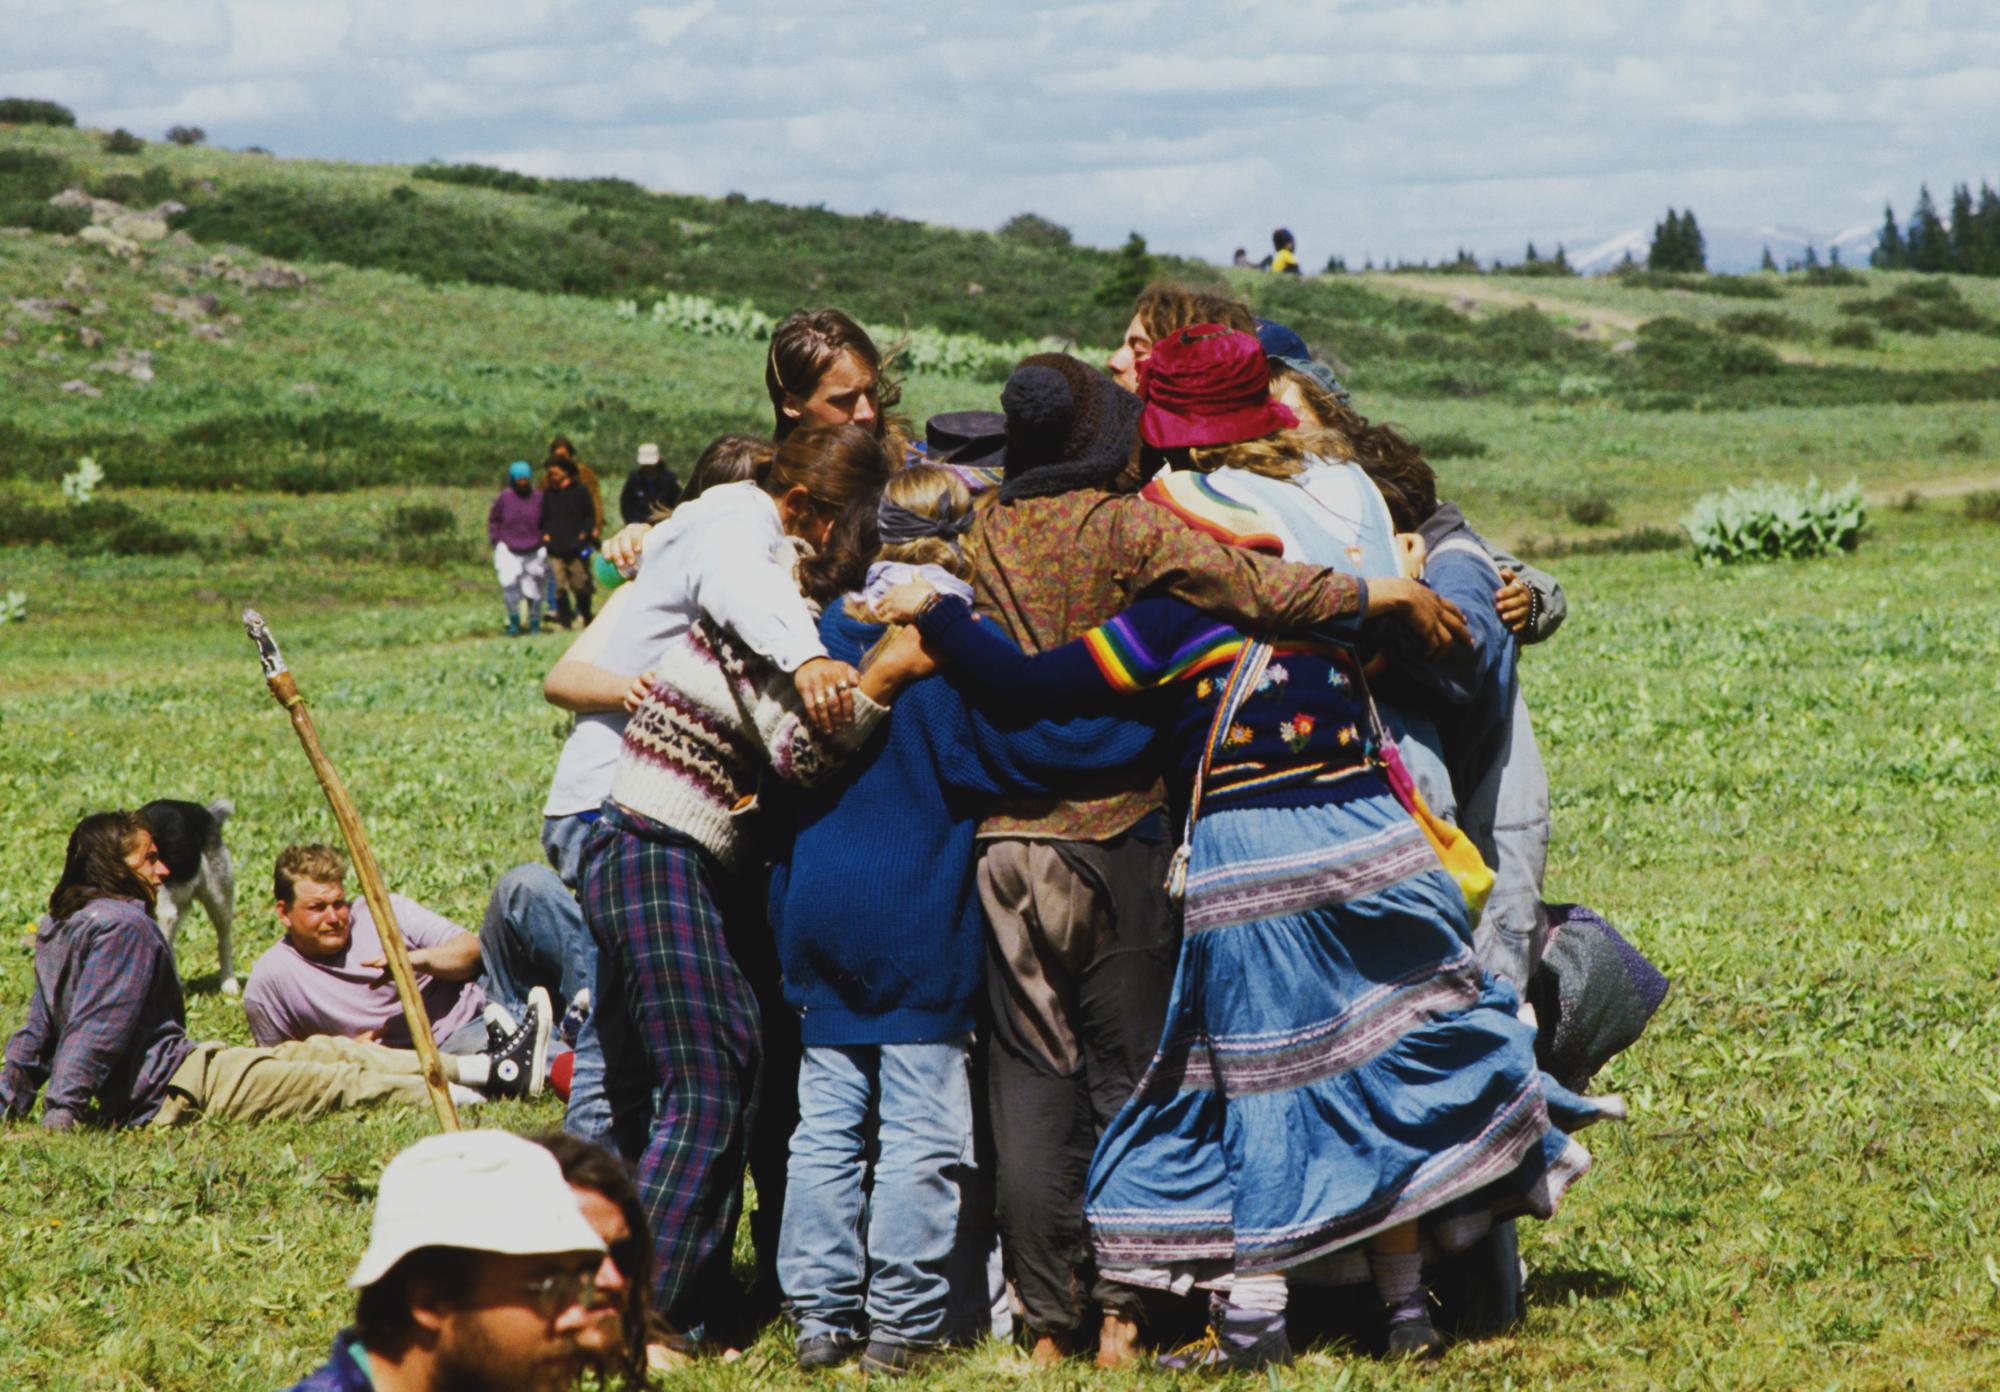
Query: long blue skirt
{"x": 1334, "y": 1063}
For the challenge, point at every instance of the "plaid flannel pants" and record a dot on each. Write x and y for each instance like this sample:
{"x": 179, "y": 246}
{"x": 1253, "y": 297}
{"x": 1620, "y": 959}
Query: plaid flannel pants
{"x": 682, "y": 1046}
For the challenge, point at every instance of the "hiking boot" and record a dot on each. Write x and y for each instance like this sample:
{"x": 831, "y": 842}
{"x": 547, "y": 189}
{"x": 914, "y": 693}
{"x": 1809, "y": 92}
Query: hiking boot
{"x": 522, "y": 1060}
{"x": 885, "y": 1360}
{"x": 1415, "y": 1338}
{"x": 513, "y": 624}
{"x": 827, "y": 1350}
{"x": 1239, "y": 1340}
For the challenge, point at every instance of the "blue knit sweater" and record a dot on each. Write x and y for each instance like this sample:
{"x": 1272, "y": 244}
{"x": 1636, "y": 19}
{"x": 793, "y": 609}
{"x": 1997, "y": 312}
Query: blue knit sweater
{"x": 873, "y": 906}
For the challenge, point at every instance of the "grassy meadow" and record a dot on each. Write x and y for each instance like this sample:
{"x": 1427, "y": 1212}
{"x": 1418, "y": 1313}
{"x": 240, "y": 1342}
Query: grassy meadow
{"x": 1782, "y": 781}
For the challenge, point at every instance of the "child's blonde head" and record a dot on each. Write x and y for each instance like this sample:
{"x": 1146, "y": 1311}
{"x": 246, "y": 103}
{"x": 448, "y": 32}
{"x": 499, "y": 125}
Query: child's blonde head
{"x": 938, "y": 495}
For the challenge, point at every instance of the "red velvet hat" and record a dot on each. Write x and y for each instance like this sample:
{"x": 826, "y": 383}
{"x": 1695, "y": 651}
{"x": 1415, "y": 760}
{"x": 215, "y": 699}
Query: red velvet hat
{"x": 1208, "y": 385}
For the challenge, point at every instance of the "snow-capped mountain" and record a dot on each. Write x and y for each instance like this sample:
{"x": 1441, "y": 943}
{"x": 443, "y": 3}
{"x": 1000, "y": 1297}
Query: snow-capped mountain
{"x": 1733, "y": 250}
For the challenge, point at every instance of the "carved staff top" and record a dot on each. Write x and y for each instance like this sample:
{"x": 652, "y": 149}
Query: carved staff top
{"x": 267, "y": 646}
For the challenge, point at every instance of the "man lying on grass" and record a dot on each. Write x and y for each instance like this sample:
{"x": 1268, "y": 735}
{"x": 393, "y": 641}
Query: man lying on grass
{"x": 485, "y": 992}
{"x": 107, "y": 1025}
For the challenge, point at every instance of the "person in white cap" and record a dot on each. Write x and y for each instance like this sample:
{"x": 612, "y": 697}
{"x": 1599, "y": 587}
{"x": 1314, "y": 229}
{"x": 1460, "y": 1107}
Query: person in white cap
{"x": 480, "y": 1275}
{"x": 649, "y": 489}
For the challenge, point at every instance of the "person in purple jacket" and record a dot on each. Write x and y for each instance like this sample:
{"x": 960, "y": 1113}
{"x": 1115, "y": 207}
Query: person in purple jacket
{"x": 514, "y": 526}
{"x": 106, "y": 1034}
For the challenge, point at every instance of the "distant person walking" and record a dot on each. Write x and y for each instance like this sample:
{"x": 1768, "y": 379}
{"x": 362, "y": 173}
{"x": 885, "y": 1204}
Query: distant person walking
{"x": 514, "y": 526}
{"x": 1243, "y": 261}
{"x": 648, "y": 488}
{"x": 561, "y": 448}
{"x": 569, "y": 531}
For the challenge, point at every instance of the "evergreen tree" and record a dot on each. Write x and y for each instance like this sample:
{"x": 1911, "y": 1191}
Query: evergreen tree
{"x": 1964, "y": 232}
{"x": 1562, "y": 260}
{"x": 1129, "y": 275}
{"x": 1833, "y": 254}
{"x": 1890, "y": 253}
{"x": 1694, "y": 247}
{"x": 1987, "y": 218}
{"x": 1767, "y": 264}
{"x": 1929, "y": 244}
{"x": 1812, "y": 258}
{"x": 1664, "y": 254}
{"x": 1531, "y": 258}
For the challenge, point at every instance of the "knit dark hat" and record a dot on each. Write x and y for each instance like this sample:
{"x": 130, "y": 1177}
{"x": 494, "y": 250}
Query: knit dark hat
{"x": 1068, "y": 427}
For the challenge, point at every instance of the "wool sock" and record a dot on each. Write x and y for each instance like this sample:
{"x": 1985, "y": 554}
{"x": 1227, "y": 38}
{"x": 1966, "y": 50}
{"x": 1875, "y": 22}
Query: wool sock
{"x": 474, "y": 1070}
{"x": 1263, "y": 1293}
{"x": 1399, "y": 1281}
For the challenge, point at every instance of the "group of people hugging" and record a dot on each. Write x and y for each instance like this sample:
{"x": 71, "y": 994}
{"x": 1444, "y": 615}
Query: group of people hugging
{"x": 1082, "y": 860}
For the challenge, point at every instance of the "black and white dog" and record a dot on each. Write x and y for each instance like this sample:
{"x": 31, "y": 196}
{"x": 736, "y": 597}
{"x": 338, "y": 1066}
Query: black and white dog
{"x": 190, "y": 840}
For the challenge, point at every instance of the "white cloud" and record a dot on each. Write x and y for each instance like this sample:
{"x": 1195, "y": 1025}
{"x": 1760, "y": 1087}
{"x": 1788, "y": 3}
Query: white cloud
{"x": 1368, "y": 126}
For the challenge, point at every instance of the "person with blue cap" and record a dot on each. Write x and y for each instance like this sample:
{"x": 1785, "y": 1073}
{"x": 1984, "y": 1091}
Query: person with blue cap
{"x": 514, "y": 526}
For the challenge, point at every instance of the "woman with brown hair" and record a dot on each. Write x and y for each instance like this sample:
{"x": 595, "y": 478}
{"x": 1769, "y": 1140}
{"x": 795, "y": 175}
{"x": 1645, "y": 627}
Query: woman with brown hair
{"x": 670, "y": 884}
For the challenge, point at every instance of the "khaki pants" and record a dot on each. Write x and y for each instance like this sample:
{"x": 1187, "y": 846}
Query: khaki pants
{"x": 303, "y": 1078}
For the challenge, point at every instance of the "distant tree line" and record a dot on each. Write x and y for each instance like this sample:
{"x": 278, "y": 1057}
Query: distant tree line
{"x": 1970, "y": 245}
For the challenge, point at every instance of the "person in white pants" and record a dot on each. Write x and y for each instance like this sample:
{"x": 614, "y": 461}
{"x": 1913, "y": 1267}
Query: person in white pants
{"x": 514, "y": 526}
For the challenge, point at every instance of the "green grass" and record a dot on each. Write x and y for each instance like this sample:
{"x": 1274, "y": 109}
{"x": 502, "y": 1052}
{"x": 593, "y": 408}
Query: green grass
{"x": 1783, "y": 780}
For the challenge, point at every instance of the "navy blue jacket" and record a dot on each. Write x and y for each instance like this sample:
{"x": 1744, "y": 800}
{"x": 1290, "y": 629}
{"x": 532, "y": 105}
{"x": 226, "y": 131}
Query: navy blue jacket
{"x": 873, "y": 905}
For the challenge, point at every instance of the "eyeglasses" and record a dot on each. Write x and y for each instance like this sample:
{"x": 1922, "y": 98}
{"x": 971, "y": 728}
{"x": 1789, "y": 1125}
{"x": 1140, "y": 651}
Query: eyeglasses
{"x": 551, "y": 1295}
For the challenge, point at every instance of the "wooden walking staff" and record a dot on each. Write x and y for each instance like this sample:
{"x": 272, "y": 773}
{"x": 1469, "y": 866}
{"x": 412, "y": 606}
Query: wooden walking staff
{"x": 279, "y": 678}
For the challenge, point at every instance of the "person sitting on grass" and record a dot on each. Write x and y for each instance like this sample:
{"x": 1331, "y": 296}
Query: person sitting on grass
{"x": 481, "y": 1273}
{"x": 514, "y": 527}
{"x": 106, "y": 1034}
{"x": 327, "y": 974}
{"x": 569, "y": 531}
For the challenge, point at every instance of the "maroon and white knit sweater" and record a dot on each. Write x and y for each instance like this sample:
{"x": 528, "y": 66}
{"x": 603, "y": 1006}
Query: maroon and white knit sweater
{"x": 717, "y": 717}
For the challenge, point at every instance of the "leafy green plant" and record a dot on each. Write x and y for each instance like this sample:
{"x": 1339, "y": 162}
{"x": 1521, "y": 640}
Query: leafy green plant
{"x": 1836, "y": 277}
{"x": 13, "y": 606}
{"x": 80, "y": 485}
{"x": 1983, "y": 506}
{"x": 123, "y": 142}
{"x": 1772, "y": 521}
{"x": 1852, "y": 336}
{"x": 1966, "y": 441}
{"x": 1031, "y": 229}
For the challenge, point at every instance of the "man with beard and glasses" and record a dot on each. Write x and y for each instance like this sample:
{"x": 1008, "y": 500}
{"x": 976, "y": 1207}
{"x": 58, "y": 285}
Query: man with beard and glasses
{"x": 480, "y": 1275}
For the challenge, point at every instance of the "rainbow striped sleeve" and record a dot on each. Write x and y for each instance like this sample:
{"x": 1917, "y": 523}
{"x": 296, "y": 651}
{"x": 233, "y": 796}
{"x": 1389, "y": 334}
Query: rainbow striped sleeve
{"x": 1197, "y": 502}
{"x": 1133, "y": 655}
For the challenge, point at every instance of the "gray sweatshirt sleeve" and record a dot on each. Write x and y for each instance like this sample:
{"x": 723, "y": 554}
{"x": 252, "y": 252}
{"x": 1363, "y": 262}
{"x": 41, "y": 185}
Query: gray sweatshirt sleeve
{"x": 1551, "y": 609}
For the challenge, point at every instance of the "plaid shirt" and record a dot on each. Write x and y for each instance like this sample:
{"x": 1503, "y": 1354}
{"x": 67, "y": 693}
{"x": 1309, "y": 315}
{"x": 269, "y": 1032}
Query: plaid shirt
{"x": 106, "y": 1020}
{"x": 1049, "y": 569}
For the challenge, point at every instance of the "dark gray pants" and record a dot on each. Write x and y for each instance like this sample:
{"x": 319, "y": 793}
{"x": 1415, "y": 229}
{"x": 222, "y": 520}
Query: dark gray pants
{"x": 1083, "y": 949}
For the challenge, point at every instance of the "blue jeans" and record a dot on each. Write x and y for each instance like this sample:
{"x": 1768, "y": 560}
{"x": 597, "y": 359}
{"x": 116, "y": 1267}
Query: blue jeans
{"x": 534, "y": 935}
{"x": 562, "y": 843}
{"x": 858, "y": 1259}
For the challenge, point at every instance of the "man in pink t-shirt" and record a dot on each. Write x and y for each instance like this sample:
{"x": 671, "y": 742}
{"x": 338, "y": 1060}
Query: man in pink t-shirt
{"x": 328, "y": 975}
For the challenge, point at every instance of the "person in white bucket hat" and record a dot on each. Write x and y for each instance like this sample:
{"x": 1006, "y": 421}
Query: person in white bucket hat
{"x": 479, "y": 1274}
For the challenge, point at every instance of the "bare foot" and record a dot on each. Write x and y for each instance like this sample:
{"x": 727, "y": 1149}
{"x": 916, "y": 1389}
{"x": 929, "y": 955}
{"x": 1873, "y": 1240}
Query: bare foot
{"x": 1047, "y": 1352}
{"x": 1117, "y": 1342}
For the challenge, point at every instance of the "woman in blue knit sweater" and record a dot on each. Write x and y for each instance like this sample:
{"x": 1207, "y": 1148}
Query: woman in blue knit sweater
{"x": 881, "y": 939}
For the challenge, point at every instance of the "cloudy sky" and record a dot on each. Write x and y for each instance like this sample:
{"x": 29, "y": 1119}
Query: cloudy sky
{"x": 1370, "y": 128}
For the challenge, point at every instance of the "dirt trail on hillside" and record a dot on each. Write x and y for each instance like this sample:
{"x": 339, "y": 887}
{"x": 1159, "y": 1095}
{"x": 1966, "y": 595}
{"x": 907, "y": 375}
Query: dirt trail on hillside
{"x": 1470, "y": 294}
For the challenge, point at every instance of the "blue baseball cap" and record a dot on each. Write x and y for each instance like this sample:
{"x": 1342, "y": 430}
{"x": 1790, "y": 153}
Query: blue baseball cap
{"x": 519, "y": 470}
{"x": 1281, "y": 341}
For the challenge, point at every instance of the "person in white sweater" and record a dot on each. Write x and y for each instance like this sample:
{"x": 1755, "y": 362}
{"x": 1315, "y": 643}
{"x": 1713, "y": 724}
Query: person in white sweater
{"x": 672, "y": 874}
